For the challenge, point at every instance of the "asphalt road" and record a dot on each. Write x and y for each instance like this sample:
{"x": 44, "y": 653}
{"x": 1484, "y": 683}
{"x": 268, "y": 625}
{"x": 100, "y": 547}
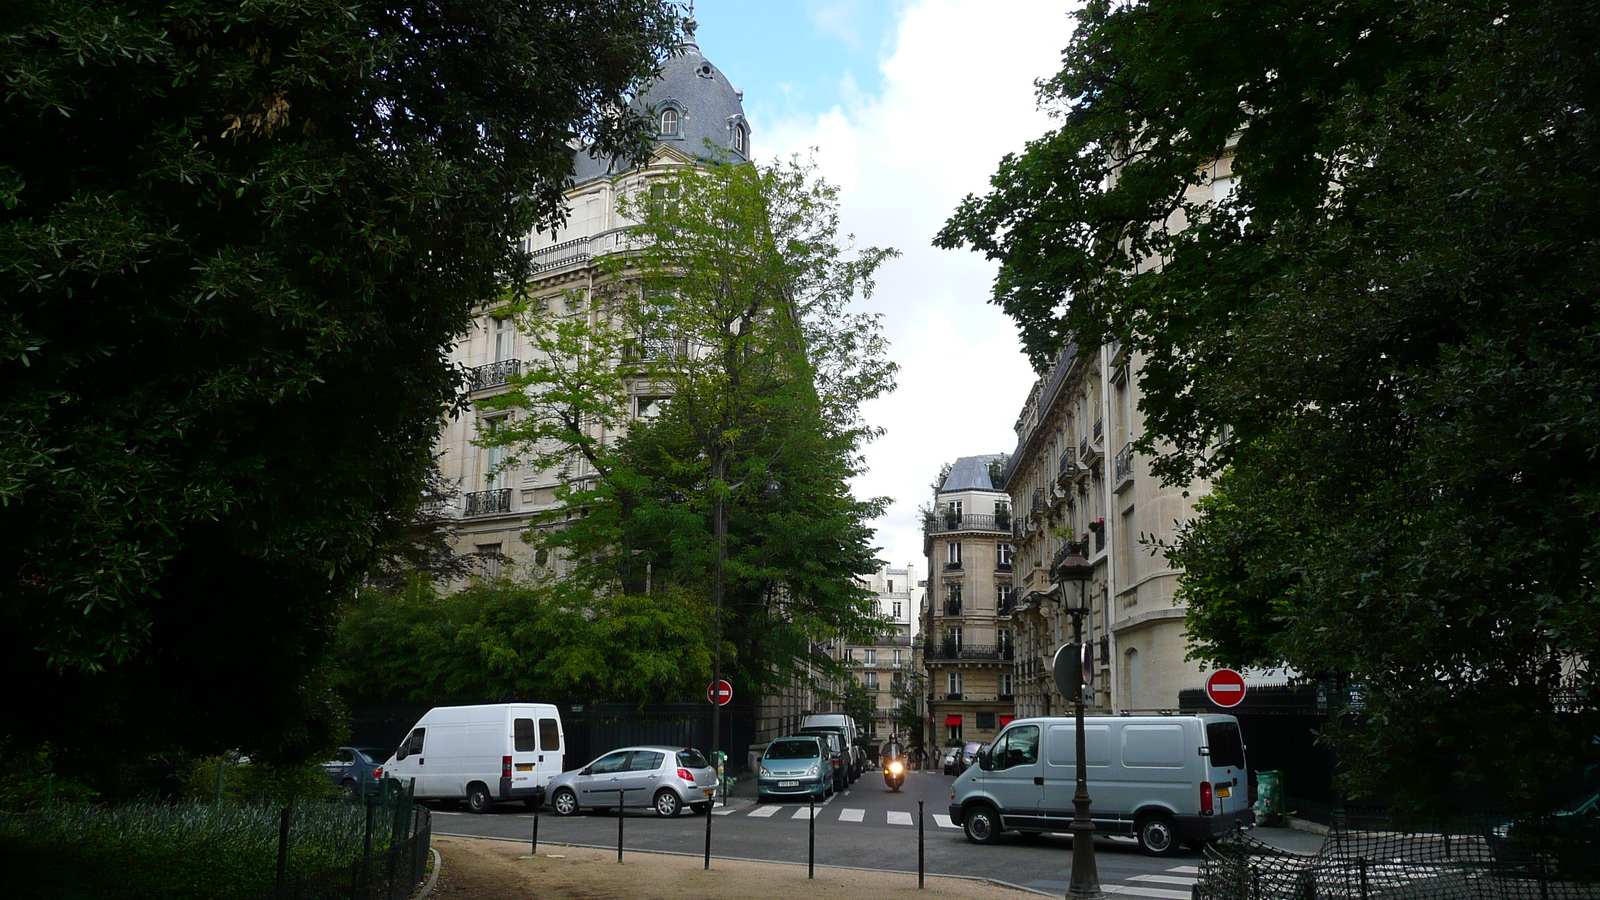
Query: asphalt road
{"x": 866, "y": 826}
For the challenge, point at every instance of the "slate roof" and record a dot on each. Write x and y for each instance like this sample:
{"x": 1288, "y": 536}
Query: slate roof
{"x": 971, "y": 473}
{"x": 707, "y": 103}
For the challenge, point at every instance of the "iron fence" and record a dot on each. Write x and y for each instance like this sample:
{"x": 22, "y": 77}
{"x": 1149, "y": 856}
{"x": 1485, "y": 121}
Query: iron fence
{"x": 484, "y": 503}
{"x": 1460, "y": 861}
{"x": 495, "y": 374}
{"x": 392, "y": 873}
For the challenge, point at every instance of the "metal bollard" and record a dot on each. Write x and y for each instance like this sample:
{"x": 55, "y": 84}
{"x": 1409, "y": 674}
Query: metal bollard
{"x": 811, "y": 853}
{"x": 535, "y": 848}
{"x": 709, "y": 810}
{"x": 620, "y": 819}
{"x": 920, "y": 851}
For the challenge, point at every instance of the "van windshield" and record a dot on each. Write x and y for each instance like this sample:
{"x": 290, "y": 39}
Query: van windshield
{"x": 792, "y": 750}
{"x": 1227, "y": 749}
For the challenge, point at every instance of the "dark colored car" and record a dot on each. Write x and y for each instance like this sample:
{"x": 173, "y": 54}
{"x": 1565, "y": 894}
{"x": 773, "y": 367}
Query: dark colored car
{"x": 969, "y": 754}
{"x": 841, "y": 760}
{"x": 952, "y": 761}
{"x": 840, "y": 735}
{"x": 353, "y": 767}
{"x": 1565, "y": 843}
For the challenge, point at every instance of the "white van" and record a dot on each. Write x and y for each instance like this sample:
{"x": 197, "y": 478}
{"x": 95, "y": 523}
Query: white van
{"x": 848, "y": 732}
{"x": 1166, "y": 780}
{"x": 482, "y": 754}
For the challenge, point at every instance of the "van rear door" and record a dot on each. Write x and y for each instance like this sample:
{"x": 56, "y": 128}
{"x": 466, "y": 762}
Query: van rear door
{"x": 1225, "y": 761}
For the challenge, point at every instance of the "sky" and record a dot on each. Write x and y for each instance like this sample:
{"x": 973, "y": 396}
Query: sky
{"x": 909, "y": 104}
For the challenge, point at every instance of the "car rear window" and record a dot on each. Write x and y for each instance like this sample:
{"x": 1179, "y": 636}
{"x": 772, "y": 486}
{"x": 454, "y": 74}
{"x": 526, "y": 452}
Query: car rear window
{"x": 692, "y": 759}
{"x": 645, "y": 761}
{"x": 792, "y": 750}
{"x": 1227, "y": 748}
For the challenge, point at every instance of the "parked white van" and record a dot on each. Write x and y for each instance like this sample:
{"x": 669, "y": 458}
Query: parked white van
{"x": 482, "y": 754}
{"x": 1164, "y": 779}
{"x": 846, "y": 727}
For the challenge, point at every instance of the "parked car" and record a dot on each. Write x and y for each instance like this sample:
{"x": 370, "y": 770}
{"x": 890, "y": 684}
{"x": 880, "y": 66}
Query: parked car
{"x": 353, "y": 767}
{"x": 858, "y": 758}
{"x": 952, "y": 761}
{"x": 969, "y": 754}
{"x": 793, "y": 767}
{"x": 480, "y": 754}
{"x": 1564, "y": 843}
{"x": 839, "y": 758}
{"x": 665, "y": 779}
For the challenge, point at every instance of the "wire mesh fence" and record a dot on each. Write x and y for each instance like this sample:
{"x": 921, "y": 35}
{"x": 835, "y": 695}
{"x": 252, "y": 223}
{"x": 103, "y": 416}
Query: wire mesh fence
{"x": 1462, "y": 862}
{"x": 394, "y": 860}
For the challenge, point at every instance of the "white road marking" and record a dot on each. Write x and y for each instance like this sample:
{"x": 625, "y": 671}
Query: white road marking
{"x": 1185, "y": 870}
{"x": 724, "y": 811}
{"x": 899, "y": 818}
{"x": 852, "y": 815}
{"x": 803, "y": 812}
{"x": 943, "y": 821}
{"x": 762, "y": 812}
{"x": 1163, "y": 879}
{"x": 1152, "y": 893}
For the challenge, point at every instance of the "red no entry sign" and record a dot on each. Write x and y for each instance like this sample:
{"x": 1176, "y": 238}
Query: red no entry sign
{"x": 719, "y": 692}
{"x": 1225, "y": 688}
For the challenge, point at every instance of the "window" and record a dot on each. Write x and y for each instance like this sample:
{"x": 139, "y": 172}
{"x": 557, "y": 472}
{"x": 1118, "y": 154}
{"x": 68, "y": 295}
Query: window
{"x": 523, "y": 738}
{"x": 1017, "y": 747}
{"x": 646, "y": 760}
{"x": 651, "y": 407}
{"x": 869, "y": 656}
{"x": 849, "y": 654}
{"x": 415, "y": 741}
{"x": 899, "y": 610}
{"x": 954, "y": 681}
{"x": 669, "y": 121}
{"x": 610, "y": 764}
{"x": 505, "y": 335}
{"x": 1003, "y": 594}
{"x": 664, "y": 197}
{"x": 1006, "y": 684}
{"x": 493, "y": 476}
{"x": 871, "y": 681}
{"x": 953, "y": 638}
{"x": 550, "y": 735}
{"x": 891, "y": 588}
{"x": 1002, "y": 554}
{"x": 953, "y": 555}
{"x": 985, "y": 721}
{"x": 1003, "y": 639}
{"x": 953, "y": 729}
{"x": 898, "y": 659}
{"x": 489, "y": 560}
{"x": 738, "y": 138}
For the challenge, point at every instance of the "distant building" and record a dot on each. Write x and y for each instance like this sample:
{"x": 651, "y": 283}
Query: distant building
{"x": 885, "y": 665}
{"x": 967, "y": 642}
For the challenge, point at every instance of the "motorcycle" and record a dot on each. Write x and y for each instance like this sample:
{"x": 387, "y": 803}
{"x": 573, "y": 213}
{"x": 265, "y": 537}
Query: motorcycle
{"x": 894, "y": 773}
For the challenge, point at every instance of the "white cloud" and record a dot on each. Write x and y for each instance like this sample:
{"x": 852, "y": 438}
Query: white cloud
{"x": 957, "y": 94}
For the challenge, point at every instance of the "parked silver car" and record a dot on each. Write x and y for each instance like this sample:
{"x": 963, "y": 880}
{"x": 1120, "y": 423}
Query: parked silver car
{"x": 663, "y": 778}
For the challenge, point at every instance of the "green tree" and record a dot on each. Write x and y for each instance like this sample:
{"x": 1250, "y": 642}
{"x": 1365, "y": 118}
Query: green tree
{"x": 236, "y": 241}
{"x": 735, "y": 304}
{"x": 1380, "y": 345}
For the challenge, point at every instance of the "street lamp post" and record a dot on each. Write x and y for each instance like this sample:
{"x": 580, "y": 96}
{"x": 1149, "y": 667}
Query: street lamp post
{"x": 1071, "y": 564}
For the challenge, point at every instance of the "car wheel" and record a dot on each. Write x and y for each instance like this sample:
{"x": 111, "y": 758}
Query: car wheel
{"x": 478, "y": 799}
{"x": 667, "y": 804}
{"x": 982, "y": 824}
{"x": 564, "y": 802}
{"x": 349, "y": 792}
{"x": 1157, "y": 835}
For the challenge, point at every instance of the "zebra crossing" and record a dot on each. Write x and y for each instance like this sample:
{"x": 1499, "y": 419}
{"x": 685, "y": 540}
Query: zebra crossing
{"x": 845, "y": 814}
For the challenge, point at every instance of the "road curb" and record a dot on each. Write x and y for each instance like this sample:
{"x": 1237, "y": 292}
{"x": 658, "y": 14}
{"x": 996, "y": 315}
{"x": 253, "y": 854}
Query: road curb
{"x": 433, "y": 876}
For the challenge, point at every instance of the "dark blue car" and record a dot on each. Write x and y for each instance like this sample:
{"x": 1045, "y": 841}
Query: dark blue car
{"x": 353, "y": 767}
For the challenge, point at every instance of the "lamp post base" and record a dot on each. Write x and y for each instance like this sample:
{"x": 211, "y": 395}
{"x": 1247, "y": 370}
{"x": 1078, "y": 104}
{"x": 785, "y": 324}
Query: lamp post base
{"x": 1085, "y": 881}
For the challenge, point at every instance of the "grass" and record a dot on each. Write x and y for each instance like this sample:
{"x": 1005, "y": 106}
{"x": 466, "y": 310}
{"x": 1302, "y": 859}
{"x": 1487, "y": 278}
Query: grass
{"x": 175, "y": 851}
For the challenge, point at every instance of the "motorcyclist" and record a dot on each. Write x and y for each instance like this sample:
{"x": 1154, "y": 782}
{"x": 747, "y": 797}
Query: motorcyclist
{"x": 892, "y": 750}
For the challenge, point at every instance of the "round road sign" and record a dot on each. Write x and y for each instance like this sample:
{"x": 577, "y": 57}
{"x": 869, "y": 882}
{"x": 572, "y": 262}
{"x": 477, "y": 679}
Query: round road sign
{"x": 1225, "y": 688}
{"x": 720, "y": 693}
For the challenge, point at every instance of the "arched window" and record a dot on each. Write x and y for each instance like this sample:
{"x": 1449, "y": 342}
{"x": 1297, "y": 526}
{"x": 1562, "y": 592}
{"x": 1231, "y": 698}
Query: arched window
{"x": 738, "y": 138}
{"x": 669, "y": 121}
{"x": 1130, "y": 680}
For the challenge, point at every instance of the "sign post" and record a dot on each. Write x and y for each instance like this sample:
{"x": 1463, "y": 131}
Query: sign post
{"x": 719, "y": 692}
{"x": 1225, "y": 688}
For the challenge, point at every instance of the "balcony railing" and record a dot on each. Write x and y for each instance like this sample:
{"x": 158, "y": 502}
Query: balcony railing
{"x": 1069, "y": 464}
{"x": 487, "y": 503}
{"x": 1040, "y": 503}
{"x": 1004, "y": 607}
{"x": 950, "y": 651}
{"x": 564, "y": 253}
{"x": 952, "y": 607}
{"x": 954, "y": 566}
{"x": 939, "y": 523}
{"x": 495, "y": 374}
{"x": 1124, "y": 463}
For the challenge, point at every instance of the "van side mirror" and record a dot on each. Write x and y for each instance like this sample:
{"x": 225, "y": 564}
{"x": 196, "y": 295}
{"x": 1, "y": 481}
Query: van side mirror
{"x": 985, "y": 761}
{"x": 401, "y": 753}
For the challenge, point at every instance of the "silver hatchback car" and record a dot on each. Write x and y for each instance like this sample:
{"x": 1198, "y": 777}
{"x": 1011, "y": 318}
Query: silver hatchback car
{"x": 665, "y": 779}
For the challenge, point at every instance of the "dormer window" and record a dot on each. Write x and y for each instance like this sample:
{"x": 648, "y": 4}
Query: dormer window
{"x": 738, "y": 138}
{"x": 669, "y": 122}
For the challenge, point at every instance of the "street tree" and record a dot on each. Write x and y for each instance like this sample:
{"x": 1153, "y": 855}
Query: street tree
{"x": 732, "y": 303}
{"x": 236, "y": 241}
{"x": 1379, "y": 343}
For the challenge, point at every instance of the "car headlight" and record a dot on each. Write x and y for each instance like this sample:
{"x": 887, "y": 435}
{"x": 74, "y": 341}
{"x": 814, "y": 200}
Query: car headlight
{"x": 765, "y": 773}
{"x": 815, "y": 769}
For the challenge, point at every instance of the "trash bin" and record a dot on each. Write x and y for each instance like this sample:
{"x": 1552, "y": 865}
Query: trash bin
{"x": 1269, "y": 806}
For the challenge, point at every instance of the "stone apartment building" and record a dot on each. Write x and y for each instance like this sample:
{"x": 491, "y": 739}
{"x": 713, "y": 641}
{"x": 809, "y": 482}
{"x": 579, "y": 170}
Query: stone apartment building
{"x": 1074, "y": 477}
{"x": 887, "y": 663}
{"x": 968, "y": 644}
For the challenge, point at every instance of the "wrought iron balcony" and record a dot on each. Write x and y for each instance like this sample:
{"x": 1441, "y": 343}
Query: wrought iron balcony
{"x": 564, "y": 253}
{"x": 952, "y": 607}
{"x": 953, "y": 566}
{"x": 1040, "y": 502}
{"x": 940, "y": 523}
{"x": 487, "y": 503}
{"x": 1124, "y": 464}
{"x": 1068, "y": 468}
{"x": 494, "y": 374}
{"x": 952, "y": 651}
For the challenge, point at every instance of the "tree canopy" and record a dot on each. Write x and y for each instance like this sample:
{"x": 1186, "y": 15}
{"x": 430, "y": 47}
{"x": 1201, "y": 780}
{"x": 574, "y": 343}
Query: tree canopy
{"x": 732, "y": 305}
{"x": 236, "y": 240}
{"x": 1380, "y": 344}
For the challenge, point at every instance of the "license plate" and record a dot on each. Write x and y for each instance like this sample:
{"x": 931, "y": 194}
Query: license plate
{"x": 1224, "y": 792}
{"x": 788, "y": 784}
{"x": 710, "y": 791}
{"x": 524, "y": 767}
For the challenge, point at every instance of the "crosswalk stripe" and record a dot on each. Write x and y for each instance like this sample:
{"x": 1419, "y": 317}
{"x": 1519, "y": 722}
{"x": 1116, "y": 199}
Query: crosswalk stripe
{"x": 761, "y": 812}
{"x": 1185, "y": 870}
{"x": 1154, "y": 894}
{"x": 1163, "y": 879}
{"x": 724, "y": 811}
{"x": 899, "y": 818}
{"x": 943, "y": 821}
{"x": 852, "y": 815}
{"x": 804, "y": 812}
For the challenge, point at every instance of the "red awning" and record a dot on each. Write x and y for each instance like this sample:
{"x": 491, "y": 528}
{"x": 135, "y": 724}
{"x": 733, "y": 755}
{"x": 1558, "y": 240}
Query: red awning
{"x": 1006, "y": 720}
{"x": 952, "y": 720}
